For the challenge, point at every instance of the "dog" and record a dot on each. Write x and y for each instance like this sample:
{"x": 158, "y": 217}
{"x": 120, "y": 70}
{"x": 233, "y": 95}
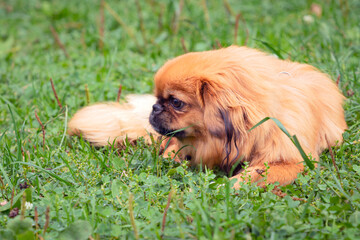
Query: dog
{"x": 210, "y": 100}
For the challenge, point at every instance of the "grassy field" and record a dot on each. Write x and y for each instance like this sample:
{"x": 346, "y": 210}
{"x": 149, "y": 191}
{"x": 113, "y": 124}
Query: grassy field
{"x": 89, "y": 48}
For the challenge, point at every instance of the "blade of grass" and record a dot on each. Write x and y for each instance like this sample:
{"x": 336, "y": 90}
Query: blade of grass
{"x": 6, "y": 176}
{"x": 2, "y": 135}
{"x": 293, "y": 139}
{"x": 17, "y": 134}
{"x": 127, "y": 29}
{"x": 131, "y": 213}
{"x": 69, "y": 167}
{"x": 271, "y": 48}
{"x": 46, "y": 171}
{"x": 65, "y": 129}
{"x": 165, "y": 213}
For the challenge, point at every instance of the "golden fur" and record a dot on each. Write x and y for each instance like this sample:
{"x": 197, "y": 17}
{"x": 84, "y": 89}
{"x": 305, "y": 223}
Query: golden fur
{"x": 225, "y": 92}
{"x": 111, "y": 122}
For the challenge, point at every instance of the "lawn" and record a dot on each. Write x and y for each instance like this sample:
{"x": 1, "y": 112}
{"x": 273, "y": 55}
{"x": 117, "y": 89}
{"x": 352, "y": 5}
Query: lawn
{"x": 62, "y": 188}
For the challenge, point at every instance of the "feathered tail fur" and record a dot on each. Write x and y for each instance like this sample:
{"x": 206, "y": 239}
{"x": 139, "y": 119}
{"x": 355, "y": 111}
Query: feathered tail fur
{"x": 111, "y": 122}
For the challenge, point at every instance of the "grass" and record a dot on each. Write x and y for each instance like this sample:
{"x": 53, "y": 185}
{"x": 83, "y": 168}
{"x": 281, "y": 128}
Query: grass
{"x": 78, "y": 191}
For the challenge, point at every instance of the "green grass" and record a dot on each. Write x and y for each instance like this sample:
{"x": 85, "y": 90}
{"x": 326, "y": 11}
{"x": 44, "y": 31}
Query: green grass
{"x": 92, "y": 191}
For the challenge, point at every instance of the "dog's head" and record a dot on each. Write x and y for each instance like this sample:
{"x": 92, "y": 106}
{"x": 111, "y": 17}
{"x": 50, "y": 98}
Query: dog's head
{"x": 207, "y": 97}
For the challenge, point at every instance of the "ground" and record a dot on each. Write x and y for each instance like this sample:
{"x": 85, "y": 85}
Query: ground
{"x": 89, "y": 48}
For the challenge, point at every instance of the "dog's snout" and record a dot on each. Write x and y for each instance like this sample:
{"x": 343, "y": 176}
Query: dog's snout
{"x": 157, "y": 108}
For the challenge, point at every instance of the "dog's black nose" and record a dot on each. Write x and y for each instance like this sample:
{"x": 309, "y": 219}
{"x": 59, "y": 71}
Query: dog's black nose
{"x": 157, "y": 108}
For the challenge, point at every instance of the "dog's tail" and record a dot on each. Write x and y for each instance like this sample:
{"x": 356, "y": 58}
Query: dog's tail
{"x": 110, "y": 123}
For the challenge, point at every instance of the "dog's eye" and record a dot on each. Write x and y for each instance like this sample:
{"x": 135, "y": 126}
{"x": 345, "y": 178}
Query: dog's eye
{"x": 176, "y": 103}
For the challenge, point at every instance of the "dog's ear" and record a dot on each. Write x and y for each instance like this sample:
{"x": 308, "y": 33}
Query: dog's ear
{"x": 212, "y": 110}
{"x": 225, "y": 112}
{"x": 227, "y": 115}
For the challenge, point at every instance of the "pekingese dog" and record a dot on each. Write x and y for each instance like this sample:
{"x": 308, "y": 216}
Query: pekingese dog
{"x": 210, "y": 100}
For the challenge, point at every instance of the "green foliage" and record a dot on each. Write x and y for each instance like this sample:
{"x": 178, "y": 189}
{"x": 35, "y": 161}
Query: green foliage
{"x": 87, "y": 190}
{"x": 79, "y": 230}
{"x": 19, "y": 229}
